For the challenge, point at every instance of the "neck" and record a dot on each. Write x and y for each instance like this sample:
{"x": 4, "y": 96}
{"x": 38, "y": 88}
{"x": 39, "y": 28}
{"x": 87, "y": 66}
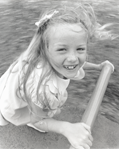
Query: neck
{"x": 64, "y": 78}
{"x": 59, "y": 75}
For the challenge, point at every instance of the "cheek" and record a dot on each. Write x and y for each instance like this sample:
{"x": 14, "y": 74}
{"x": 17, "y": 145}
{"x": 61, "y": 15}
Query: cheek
{"x": 55, "y": 61}
{"x": 85, "y": 57}
{"x": 52, "y": 59}
{"x": 49, "y": 56}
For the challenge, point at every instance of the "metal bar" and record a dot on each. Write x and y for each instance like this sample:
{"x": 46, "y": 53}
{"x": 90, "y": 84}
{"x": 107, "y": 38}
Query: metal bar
{"x": 92, "y": 109}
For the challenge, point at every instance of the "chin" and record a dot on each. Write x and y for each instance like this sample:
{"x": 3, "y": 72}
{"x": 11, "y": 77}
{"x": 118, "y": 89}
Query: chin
{"x": 71, "y": 76}
{"x": 67, "y": 75}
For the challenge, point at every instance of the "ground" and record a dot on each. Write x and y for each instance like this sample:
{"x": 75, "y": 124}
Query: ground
{"x": 16, "y": 30}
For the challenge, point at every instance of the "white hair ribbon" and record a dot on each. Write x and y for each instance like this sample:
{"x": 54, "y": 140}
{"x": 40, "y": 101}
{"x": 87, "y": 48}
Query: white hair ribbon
{"x": 46, "y": 17}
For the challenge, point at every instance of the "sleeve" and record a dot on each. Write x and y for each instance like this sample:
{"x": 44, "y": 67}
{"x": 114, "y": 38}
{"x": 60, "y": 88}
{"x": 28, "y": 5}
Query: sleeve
{"x": 3, "y": 122}
{"x": 55, "y": 99}
{"x": 20, "y": 117}
{"x": 12, "y": 108}
{"x": 50, "y": 101}
{"x": 17, "y": 117}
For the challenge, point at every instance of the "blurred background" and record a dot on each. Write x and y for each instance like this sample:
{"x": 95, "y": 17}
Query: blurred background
{"x": 17, "y": 28}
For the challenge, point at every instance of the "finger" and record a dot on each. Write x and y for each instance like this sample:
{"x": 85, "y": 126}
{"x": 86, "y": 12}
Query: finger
{"x": 87, "y": 127}
{"x": 80, "y": 147}
{"x": 89, "y": 143}
{"x": 87, "y": 140}
{"x": 76, "y": 146}
{"x": 91, "y": 138}
{"x": 85, "y": 146}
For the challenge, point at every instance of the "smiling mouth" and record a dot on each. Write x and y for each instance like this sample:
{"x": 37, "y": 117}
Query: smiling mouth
{"x": 70, "y": 67}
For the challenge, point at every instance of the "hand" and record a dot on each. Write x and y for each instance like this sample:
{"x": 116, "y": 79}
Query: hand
{"x": 79, "y": 135}
{"x": 106, "y": 62}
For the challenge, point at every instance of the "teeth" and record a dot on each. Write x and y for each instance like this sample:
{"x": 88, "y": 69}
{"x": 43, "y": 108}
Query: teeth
{"x": 70, "y": 67}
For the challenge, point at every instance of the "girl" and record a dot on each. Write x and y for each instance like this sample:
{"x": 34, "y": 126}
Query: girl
{"x": 33, "y": 89}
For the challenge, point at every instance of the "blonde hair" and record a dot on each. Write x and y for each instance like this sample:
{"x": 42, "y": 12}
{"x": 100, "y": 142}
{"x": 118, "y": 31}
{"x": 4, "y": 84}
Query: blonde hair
{"x": 83, "y": 15}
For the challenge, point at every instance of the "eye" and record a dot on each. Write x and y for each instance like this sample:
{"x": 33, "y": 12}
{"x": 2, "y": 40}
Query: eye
{"x": 80, "y": 49}
{"x": 61, "y": 49}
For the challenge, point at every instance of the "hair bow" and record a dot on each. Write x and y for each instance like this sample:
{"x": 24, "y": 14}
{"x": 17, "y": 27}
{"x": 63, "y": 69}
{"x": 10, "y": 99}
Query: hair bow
{"x": 46, "y": 17}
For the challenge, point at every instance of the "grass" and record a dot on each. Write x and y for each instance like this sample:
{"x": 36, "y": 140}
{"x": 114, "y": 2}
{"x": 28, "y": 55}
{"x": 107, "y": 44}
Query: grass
{"x": 17, "y": 28}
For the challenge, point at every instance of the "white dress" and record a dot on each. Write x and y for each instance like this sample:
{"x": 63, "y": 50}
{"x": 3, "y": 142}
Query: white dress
{"x": 15, "y": 110}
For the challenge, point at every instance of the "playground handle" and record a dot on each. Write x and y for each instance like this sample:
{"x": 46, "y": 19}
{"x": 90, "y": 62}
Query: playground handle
{"x": 92, "y": 109}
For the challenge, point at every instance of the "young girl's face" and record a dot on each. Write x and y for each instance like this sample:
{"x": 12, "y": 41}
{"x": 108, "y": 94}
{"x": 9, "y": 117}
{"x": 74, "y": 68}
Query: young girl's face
{"x": 67, "y": 49}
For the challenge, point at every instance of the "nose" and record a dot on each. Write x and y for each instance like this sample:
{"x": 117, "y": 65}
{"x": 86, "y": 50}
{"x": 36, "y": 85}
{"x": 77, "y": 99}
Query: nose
{"x": 72, "y": 57}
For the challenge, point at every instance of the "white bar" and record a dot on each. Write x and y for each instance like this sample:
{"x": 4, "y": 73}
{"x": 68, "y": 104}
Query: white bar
{"x": 92, "y": 109}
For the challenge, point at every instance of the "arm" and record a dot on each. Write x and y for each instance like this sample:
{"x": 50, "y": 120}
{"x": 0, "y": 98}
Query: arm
{"x": 78, "y": 134}
{"x": 51, "y": 125}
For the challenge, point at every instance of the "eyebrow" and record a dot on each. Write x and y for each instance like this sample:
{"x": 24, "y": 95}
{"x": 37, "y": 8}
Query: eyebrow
{"x": 66, "y": 45}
